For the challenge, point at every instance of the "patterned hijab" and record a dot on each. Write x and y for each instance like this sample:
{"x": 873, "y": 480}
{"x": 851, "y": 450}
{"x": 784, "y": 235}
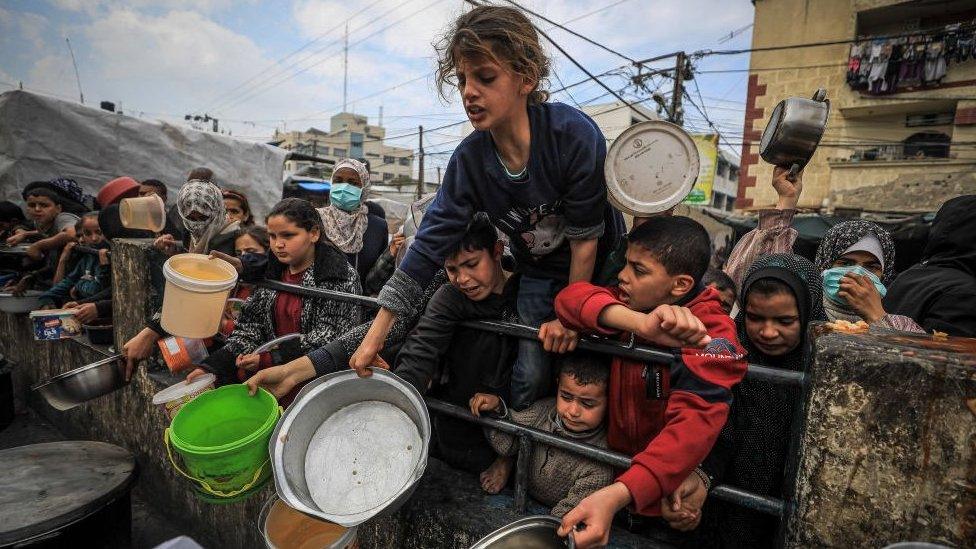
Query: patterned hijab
{"x": 342, "y": 228}
{"x": 842, "y": 236}
{"x": 202, "y": 197}
{"x": 835, "y": 243}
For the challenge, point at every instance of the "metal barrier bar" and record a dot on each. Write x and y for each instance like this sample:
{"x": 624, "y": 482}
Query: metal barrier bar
{"x": 607, "y": 346}
{"x": 522, "y": 472}
{"x": 528, "y": 435}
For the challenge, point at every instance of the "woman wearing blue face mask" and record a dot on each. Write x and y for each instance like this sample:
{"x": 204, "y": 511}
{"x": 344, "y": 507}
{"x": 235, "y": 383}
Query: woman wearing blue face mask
{"x": 857, "y": 259}
{"x": 362, "y": 236}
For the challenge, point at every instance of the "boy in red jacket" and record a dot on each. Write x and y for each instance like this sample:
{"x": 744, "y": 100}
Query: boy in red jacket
{"x": 666, "y": 417}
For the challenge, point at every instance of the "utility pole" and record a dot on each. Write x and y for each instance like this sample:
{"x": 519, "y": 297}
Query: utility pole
{"x": 345, "y": 68}
{"x": 420, "y": 176}
{"x": 438, "y": 175}
{"x": 677, "y": 115}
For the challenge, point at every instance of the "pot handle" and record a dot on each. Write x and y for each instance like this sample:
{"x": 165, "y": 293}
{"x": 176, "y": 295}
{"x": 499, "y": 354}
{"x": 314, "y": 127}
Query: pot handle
{"x": 794, "y": 171}
{"x": 206, "y": 487}
{"x": 820, "y": 94}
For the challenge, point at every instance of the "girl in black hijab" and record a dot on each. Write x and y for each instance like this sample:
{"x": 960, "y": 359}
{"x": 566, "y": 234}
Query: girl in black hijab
{"x": 781, "y": 295}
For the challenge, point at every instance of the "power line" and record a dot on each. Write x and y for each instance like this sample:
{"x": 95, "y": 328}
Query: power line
{"x": 724, "y": 71}
{"x": 570, "y": 31}
{"x": 295, "y": 52}
{"x": 703, "y": 53}
{"x": 256, "y": 91}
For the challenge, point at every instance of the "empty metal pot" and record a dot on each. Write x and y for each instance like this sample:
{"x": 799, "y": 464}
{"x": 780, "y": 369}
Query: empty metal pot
{"x": 67, "y": 390}
{"x": 794, "y": 130}
{"x": 350, "y": 448}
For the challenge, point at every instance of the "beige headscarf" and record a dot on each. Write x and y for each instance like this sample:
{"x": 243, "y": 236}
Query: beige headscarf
{"x": 342, "y": 228}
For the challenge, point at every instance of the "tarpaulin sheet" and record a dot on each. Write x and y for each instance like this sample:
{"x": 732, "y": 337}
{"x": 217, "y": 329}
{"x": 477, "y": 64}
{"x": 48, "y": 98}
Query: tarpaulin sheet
{"x": 42, "y": 138}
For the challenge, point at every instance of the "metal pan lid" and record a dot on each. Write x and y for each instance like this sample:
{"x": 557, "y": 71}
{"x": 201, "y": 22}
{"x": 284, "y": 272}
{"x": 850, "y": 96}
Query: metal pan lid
{"x": 651, "y": 167}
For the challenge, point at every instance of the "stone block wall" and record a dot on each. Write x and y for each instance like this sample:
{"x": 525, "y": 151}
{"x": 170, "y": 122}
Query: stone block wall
{"x": 889, "y": 448}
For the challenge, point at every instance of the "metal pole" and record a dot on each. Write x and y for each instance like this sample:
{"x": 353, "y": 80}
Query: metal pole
{"x": 345, "y": 68}
{"x": 679, "y": 74}
{"x": 420, "y": 176}
{"x": 600, "y": 345}
{"x": 522, "y": 472}
{"x": 74, "y": 63}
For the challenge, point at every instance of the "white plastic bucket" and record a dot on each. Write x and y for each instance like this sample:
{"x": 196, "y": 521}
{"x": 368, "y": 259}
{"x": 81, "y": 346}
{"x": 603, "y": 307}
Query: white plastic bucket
{"x": 197, "y": 286}
{"x": 144, "y": 212}
{"x": 171, "y": 399}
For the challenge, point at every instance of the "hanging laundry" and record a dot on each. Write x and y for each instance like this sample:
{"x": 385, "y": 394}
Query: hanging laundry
{"x": 935, "y": 63}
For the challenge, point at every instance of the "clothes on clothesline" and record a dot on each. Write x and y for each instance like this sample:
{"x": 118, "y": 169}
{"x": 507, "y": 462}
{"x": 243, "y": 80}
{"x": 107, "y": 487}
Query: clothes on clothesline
{"x": 885, "y": 65}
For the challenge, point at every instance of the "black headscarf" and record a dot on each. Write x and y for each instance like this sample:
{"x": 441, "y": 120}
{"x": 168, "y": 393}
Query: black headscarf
{"x": 801, "y": 276}
{"x": 752, "y": 450}
{"x": 844, "y": 235}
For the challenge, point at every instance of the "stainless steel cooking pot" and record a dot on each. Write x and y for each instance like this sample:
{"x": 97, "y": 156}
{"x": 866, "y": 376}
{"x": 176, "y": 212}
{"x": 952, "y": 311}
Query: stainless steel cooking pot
{"x": 794, "y": 130}
{"x": 537, "y": 532}
{"x": 74, "y": 387}
{"x": 350, "y": 448}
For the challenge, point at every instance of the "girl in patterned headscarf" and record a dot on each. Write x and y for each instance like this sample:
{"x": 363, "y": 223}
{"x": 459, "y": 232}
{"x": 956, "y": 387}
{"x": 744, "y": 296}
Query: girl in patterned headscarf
{"x": 201, "y": 207}
{"x": 857, "y": 259}
{"x": 348, "y": 223}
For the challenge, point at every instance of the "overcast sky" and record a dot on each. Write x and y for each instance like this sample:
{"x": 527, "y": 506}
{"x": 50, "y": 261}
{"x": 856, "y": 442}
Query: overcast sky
{"x": 264, "y": 65}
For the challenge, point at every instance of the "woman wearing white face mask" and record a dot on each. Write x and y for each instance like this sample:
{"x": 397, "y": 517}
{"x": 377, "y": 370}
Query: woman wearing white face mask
{"x": 857, "y": 259}
{"x": 362, "y": 236}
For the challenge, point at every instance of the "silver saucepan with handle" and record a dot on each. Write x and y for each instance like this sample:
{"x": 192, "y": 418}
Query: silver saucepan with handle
{"x": 794, "y": 130}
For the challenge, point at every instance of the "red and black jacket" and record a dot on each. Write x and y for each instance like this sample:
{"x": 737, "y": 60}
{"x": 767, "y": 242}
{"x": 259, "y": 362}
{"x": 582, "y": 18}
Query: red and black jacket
{"x": 667, "y": 418}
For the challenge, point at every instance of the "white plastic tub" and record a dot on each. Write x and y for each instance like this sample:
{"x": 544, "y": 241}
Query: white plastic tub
{"x": 197, "y": 286}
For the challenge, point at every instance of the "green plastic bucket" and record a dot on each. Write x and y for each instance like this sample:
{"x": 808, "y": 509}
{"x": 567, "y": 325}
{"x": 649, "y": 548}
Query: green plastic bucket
{"x": 222, "y": 437}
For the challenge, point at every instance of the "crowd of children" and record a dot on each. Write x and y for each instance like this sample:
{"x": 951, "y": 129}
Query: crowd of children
{"x": 529, "y": 183}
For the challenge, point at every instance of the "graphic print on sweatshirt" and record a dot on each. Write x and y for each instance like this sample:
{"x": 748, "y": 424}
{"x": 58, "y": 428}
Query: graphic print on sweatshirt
{"x": 542, "y": 228}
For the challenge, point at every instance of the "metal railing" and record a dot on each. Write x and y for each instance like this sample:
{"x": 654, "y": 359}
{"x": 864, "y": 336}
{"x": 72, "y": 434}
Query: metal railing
{"x": 528, "y": 436}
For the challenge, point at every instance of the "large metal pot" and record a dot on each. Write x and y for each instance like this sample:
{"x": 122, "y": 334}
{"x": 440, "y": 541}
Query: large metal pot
{"x": 794, "y": 130}
{"x": 537, "y": 532}
{"x": 67, "y": 390}
{"x": 350, "y": 448}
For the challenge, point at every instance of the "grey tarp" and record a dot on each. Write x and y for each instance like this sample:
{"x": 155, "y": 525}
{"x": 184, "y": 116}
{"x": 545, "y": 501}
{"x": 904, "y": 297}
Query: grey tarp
{"x": 42, "y": 138}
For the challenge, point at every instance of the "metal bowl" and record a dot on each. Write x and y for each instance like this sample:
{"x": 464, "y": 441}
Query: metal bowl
{"x": 67, "y": 390}
{"x": 537, "y": 532}
{"x": 31, "y": 301}
{"x": 354, "y": 435}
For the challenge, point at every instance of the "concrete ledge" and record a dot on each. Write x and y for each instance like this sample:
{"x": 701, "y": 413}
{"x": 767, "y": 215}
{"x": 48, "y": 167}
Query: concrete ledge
{"x": 889, "y": 451}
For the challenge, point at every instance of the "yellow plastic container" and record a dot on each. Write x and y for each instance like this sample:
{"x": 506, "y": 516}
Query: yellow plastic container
{"x": 197, "y": 286}
{"x": 144, "y": 212}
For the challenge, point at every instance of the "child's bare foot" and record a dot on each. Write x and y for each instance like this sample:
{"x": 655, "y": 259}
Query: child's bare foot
{"x": 494, "y": 478}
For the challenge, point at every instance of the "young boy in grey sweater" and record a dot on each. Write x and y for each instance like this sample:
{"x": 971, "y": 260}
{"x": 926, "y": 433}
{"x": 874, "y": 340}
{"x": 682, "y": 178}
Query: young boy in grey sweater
{"x": 556, "y": 478}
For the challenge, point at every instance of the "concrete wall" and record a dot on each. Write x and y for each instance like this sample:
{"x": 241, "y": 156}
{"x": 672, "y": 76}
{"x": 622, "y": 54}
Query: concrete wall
{"x": 889, "y": 450}
{"x": 127, "y": 417}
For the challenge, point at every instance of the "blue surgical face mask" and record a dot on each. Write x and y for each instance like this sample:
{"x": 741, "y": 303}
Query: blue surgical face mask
{"x": 832, "y": 276}
{"x": 346, "y": 196}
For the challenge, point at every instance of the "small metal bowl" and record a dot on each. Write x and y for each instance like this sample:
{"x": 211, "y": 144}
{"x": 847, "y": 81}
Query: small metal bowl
{"x": 74, "y": 387}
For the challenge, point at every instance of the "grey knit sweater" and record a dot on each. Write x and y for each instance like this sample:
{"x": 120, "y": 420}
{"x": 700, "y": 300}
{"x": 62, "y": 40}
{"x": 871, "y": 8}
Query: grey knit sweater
{"x": 556, "y": 477}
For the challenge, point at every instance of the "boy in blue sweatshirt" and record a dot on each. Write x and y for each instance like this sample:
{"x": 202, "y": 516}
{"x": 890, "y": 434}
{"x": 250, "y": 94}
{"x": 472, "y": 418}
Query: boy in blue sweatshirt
{"x": 535, "y": 168}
